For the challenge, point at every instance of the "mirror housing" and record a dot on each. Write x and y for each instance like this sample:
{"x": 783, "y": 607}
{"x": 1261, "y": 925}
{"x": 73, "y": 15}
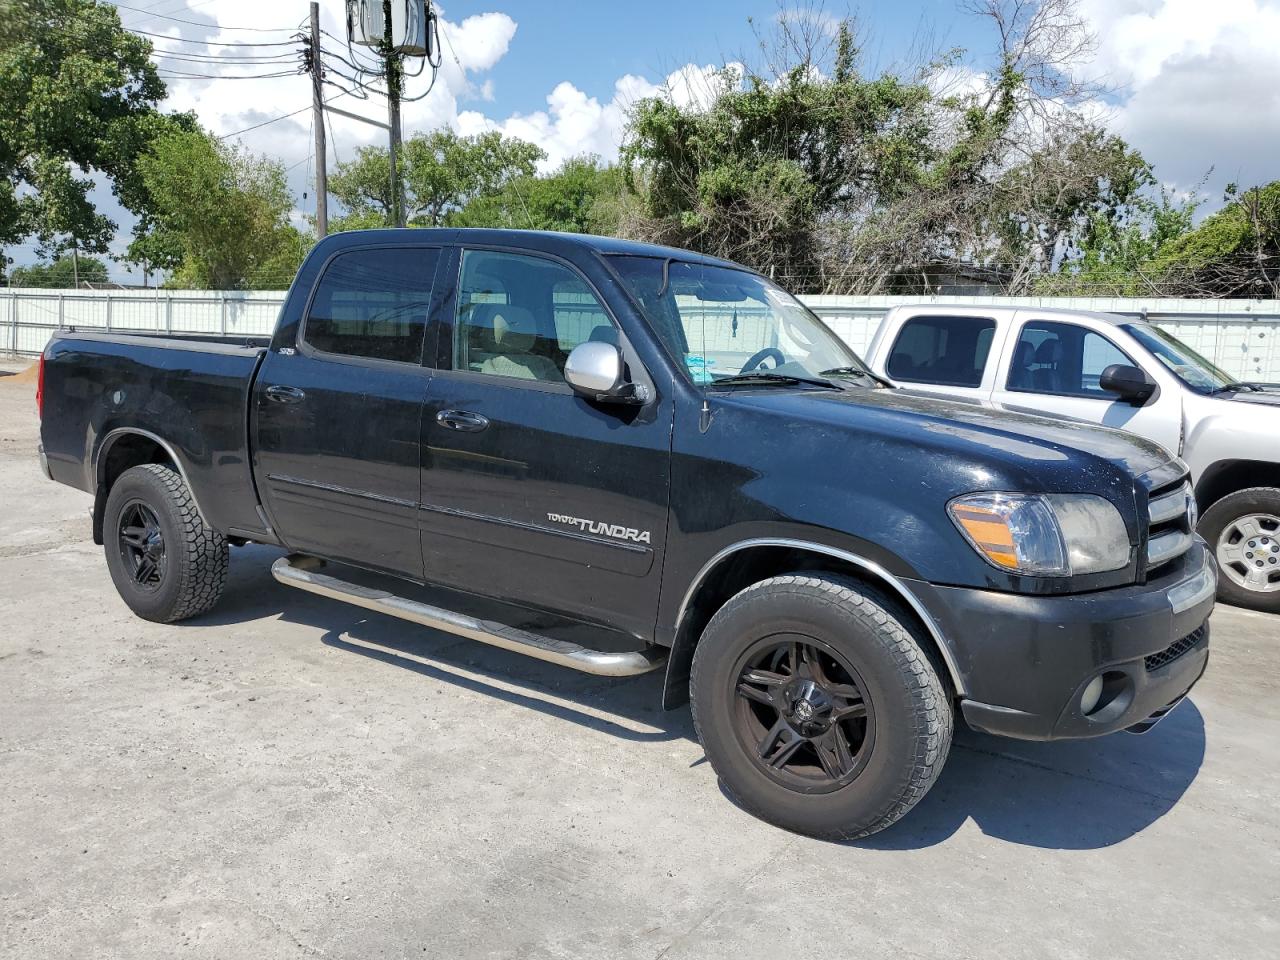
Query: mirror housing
{"x": 596, "y": 371}
{"x": 1128, "y": 382}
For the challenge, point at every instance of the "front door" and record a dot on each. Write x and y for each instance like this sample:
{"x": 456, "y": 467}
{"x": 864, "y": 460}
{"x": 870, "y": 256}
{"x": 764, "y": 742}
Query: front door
{"x": 1054, "y": 369}
{"x": 338, "y": 417}
{"x": 530, "y": 493}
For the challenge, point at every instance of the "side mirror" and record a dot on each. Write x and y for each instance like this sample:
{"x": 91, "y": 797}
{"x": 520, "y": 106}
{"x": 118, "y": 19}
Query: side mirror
{"x": 596, "y": 371}
{"x": 1129, "y": 383}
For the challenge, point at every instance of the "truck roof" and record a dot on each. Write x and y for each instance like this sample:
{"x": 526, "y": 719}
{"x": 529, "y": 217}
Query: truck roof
{"x": 1006, "y": 312}
{"x": 545, "y": 240}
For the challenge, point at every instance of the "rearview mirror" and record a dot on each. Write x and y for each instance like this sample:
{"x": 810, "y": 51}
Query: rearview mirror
{"x": 596, "y": 371}
{"x": 1129, "y": 383}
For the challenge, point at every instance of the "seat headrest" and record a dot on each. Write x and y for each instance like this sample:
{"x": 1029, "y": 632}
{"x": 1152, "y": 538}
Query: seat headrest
{"x": 1024, "y": 356}
{"x": 604, "y": 333}
{"x": 1049, "y": 352}
{"x": 514, "y": 328}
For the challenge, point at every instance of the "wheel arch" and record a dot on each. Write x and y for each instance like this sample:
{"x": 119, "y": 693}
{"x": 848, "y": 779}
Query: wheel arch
{"x": 741, "y": 564}
{"x": 121, "y": 449}
{"x": 1225, "y": 477}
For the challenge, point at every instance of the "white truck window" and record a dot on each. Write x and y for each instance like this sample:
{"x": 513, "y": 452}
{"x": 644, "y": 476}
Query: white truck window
{"x": 1062, "y": 359}
{"x": 951, "y": 351}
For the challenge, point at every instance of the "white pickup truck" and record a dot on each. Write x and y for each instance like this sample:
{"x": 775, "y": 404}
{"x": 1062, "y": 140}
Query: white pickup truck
{"x": 1119, "y": 372}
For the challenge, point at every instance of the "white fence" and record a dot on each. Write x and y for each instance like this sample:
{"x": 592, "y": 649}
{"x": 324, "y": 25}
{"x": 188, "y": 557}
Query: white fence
{"x": 1241, "y": 336}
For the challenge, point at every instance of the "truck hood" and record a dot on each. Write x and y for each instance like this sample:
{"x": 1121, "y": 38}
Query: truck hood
{"x": 1004, "y": 434}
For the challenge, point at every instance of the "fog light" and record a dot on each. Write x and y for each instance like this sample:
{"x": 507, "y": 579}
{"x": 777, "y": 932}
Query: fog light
{"x": 1092, "y": 694}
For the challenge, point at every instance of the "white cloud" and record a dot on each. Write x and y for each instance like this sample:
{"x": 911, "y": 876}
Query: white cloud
{"x": 1201, "y": 84}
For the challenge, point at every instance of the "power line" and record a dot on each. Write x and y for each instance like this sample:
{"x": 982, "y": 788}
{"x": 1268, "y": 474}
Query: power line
{"x": 207, "y": 26}
{"x": 275, "y": 59}
{"x": 283, "y": 116}
{"x": 209, "y": 43}
{"x": 172, "y": 75}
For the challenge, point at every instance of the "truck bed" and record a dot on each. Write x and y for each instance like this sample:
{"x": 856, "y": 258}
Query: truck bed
{"x": 189, "y": 394}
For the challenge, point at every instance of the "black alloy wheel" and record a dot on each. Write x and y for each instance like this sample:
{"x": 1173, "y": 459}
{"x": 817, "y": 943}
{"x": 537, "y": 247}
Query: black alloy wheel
{"x": 142, "y": 545}
{"x": 803, "y": 714}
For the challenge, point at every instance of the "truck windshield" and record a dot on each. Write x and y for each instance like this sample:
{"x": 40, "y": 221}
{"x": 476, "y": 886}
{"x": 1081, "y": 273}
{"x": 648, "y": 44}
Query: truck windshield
{"x": 721, "y": 323}
{"x": 1185, "y": 364}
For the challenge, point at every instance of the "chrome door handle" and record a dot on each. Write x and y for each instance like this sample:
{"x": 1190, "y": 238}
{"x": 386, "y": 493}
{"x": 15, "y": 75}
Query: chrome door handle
{"x": 282, "y": 394}
{"x": 463, "y": 420}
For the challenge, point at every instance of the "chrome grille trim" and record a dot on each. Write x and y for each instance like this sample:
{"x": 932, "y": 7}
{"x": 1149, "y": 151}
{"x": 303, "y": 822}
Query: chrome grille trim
{"x": 1165, "y": 546}
{"x": 1169, "y": 506}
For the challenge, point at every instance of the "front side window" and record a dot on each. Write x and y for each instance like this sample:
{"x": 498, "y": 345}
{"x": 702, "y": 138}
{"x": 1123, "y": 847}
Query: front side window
{"x": 1063, "y": 359}
{"x": 943, "y": 350}
{"x": 373, "y": 304}
{"x": 1187, "y": 365}
{"x": 519, "y": 316}
{"x": 719, "y": 322}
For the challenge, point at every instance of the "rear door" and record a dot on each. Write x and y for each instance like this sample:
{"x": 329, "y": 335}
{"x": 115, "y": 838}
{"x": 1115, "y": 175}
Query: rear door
{"x": 950, "y": 353}
{"x": 338, "y": 416}
{"x": 530, "y": 493}
{"x": 1055, "y": 366}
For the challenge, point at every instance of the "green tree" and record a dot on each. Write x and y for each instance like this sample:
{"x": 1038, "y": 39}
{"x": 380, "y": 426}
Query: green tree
{"x": 60, "y": 273}
{"x": 441, "y": 172}
{"x": 582, "y": 196}
{"x": 1234, "y": 253}
{"x": 220, "y": 215}
{"x": 77, "y": 98}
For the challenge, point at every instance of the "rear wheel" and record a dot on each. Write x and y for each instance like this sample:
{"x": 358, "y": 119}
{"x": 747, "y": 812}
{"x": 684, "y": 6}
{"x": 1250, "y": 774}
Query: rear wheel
{"x": 817, "y": 706}
{"x": 166, "y": 562}
{"x": 1243, "y": 530}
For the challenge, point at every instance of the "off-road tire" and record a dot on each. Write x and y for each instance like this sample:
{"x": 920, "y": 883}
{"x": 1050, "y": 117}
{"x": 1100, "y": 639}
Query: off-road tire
{"x": 912, "y": 704}
{"x": 1254, "y": 500}
{"x": 196, "y": 555}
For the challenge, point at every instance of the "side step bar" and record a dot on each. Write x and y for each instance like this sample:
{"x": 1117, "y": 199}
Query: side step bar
{"x": 306, "y": 573}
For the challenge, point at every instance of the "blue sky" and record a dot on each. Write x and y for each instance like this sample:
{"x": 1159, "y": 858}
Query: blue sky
{"x": 593, "y": 43}
{"x": 1197, "y": 82}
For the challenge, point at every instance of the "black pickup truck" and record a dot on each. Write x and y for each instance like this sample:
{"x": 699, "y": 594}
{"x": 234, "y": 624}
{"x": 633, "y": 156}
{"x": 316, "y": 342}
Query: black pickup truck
{"x": 615, "y": 457}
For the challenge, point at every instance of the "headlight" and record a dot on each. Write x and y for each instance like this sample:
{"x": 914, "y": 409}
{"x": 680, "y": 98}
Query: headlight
{"x": 1044, "y": 535}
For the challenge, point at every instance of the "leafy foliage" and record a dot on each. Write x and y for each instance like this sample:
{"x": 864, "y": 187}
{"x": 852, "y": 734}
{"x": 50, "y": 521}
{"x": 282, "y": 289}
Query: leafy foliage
{"x": 220, "y": 216}
{"x": 77, "y": 99}
{"x": 582, "y": 196}
{"x": 62, "y": 272}
{"x": 441, "y": 172}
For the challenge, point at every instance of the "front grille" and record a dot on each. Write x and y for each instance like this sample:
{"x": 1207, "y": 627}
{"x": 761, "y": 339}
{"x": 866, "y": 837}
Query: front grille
{"x": 1171, "y": 522}
{"x": 1175, "y": 650}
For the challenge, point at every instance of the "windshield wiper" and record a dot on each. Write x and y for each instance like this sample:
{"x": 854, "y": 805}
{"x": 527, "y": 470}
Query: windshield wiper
{"x": 1237, "y": 386}
{"x": 767, "y": 377}
{"x": 855, "y": 372}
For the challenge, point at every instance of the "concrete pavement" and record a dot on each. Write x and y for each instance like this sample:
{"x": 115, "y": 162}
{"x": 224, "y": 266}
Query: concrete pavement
{"x": 289, "y": 777}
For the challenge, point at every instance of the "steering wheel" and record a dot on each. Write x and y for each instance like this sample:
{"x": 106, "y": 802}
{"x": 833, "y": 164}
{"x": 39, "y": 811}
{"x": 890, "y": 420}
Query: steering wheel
{"x": 760, "y": 356}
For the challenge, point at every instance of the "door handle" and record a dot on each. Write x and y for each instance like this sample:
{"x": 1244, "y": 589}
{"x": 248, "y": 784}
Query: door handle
{"x": 282, "y": 394}
{"x": 462, "y": 420}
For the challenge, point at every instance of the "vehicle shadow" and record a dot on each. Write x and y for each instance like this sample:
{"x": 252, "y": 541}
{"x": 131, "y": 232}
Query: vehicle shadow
{"x": 1066, "y": 795}
{"x": 627, "y": 708}
{"x": 1074, "y": 795}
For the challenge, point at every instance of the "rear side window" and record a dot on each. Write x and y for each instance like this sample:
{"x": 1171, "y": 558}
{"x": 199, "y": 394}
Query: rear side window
{"x": 1062, "y": 359}
{"x": 944, "y": 350}
{"x": 373, "y": 304}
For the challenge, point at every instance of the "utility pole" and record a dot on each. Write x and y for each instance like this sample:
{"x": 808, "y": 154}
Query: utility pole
{"x": 317, "y": 120}
{"x": 395, "y": 84}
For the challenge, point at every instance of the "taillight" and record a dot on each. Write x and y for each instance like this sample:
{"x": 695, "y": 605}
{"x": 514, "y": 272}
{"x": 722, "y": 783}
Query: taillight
{"x": 40, "y": 388}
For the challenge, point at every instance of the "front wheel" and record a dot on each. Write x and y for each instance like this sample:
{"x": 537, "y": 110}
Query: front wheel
{"x": 817, "y": 706}
{"x": 166, "y": 562}
{"x": 1243, "y": 531}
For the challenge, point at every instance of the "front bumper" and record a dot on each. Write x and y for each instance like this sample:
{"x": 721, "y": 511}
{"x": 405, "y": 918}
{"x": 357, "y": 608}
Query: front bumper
{"x": 1025, "y": 661}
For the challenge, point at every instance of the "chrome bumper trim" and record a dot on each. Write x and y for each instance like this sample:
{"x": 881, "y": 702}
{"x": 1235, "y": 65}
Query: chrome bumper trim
{"x": 1195, "y": 591}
